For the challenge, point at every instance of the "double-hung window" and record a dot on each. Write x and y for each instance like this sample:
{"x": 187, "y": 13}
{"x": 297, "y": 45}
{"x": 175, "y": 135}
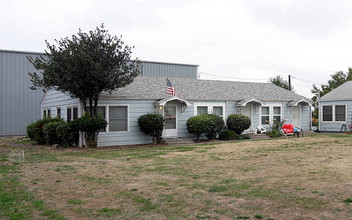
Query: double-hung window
{"x": 219, "y": 111}
{"x": 201, "y": 110}
{"x": 340, "y": 113}
{"x": 334, "y": 113}
{"x": 265, "y": 115}
{"x": 277, "y": 113}
{"x": 71, "y": 113}
{"x": 118, "y": 118}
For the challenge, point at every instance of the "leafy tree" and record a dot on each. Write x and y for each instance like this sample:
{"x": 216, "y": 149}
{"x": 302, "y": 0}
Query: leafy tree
{"x": 279, "y": 81}
{"x": 336, "y": 80}
{"x": 85, "y": 65}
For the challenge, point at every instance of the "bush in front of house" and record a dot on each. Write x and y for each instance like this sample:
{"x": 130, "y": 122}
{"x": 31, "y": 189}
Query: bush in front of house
{"x": 68, "y": 133}
{"x": 217, "y": 125}
{"x": 200, "y": 124}
{"x": 238, "y": 123}
{"x": 227, "y": 135}
{"x": 275, "y": 129}
{"x": 153, "y": 125}
{"x": 50, "y": 134}
{"x": 91, "y": 126}
{"x": 35, "y": 130}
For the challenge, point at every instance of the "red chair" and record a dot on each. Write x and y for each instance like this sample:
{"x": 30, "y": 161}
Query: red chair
{"x": 288, "y": 129}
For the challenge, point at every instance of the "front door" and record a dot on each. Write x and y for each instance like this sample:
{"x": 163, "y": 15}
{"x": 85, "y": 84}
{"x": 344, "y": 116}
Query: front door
{"x": 246, "y": 110}
{"x": 296, "y": 116}
{"x": 170, "y": 115}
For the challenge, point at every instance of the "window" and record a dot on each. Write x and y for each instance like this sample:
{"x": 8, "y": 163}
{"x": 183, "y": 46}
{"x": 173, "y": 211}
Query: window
{"x": 101, "y": 110}
{"x": 58, "y": 112}
{"x": 71, "y": 113}
{"x": 218, "y": 110}
{"x": 327, "y": 113}
{"x": 118, "y": 118}
{"x": 46, "y": 113}
{"x": 340, "y": 113}
{"x": 277, "y": 113}
{"x": 201, "y": 110}
{"x": 265, "y": 115}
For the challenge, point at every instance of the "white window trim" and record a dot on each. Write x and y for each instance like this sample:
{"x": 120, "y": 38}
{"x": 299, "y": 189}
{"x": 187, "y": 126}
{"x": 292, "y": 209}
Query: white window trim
{"x": 71, "y": 106}
{"x": 333, "y": 114}
{"x": 271, "y": 114}
{"x": 210, "y": 108}
{"x": 107, "y": 116}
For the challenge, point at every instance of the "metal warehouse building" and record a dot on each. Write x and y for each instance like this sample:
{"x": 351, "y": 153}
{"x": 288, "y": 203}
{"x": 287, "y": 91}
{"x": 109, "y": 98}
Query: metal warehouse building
{"x": 19, "y": 105}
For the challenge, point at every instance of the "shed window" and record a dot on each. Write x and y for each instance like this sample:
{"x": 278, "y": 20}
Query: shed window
{"x": 340, "y": 113}
{"x": 265, "y": 115}
{"x": 101, "y": 110}
{"x": 118, "y": 118}
{"x": 46, "y": 113}
{"x": 327, "y": 113}
{"x": 71, "y": 113}
{"x": 58, "y": 112}
{"x": 201, "y": 110}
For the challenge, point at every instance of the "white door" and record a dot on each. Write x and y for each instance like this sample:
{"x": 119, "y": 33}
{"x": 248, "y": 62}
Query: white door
{"x": 247, "y": 112}
{"x": 296, "y": 116}
{"x": 170, "y": 115}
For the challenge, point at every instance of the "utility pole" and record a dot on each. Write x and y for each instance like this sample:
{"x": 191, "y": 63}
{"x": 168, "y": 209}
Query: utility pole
{"x": 289, "y": 82}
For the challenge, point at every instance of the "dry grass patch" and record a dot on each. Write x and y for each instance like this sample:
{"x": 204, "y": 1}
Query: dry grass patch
{"x": 305, "y": 178}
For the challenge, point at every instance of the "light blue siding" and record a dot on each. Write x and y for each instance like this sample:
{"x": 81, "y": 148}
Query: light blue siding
{"x": 230, "y": 108}
{"x": 136, "y": 108}
{"x": 306, "y": 117}
{"x": 19, "y": 105}
{"x": 334, "y": 126}
{"x": 287, "y": 113}
{"x": 55, "y": 99}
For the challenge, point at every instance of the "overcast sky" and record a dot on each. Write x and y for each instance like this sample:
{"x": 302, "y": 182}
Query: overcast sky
{"x": 252, "y": 39}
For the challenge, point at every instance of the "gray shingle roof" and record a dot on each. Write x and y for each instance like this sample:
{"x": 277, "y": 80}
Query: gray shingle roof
{"x": 195, "y": 89}
{"x": 343, "y": 92}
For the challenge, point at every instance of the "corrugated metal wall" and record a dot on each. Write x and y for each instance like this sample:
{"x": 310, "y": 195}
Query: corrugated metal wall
{"x": 158, "y": 69}
{"x": 19, "y": 105}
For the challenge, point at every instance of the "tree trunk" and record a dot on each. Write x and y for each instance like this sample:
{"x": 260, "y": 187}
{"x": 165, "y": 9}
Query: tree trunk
{"x": 91, "y": 106}
{"x": 91, "y": 139}
{"x": 96, "y": 98}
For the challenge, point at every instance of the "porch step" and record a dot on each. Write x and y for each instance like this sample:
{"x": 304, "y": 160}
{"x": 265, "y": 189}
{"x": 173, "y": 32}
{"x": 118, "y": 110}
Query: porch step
{"x": 179, "y": 141}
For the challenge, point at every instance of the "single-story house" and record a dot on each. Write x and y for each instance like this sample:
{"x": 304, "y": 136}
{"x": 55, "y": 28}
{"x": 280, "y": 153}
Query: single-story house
{"x": 335, "y": 109}
{"x": 262, "y": 102}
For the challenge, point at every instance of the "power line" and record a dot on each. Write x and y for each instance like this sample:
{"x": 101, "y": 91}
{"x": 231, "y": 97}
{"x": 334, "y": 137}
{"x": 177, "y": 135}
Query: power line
{"x": 231, "y": 77}
{"x": 307, "y": 81}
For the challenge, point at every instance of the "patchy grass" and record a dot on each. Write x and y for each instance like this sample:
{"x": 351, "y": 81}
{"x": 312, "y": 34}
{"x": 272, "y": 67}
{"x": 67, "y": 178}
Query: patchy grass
{"x": 304, "y": 178}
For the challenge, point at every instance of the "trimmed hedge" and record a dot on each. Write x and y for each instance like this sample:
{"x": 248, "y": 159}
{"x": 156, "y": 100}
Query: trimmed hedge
{"x": 35, "y": 130}
{"x": 205, "y": 124}
{"x": 68, "y": 133}
{"x": 153, "y": 125}
{"x": 218, "y": 125}
{"x": 50, "y": 134}
{"x": 227, "y": 135}
{"x": 238, "y": 123}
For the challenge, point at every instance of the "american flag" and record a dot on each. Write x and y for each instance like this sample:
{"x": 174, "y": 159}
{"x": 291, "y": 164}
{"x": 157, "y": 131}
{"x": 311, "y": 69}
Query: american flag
{"x": 170, "y": 89}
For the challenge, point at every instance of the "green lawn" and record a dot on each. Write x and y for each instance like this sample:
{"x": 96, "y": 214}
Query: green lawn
{"x": 304, "y": 178}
